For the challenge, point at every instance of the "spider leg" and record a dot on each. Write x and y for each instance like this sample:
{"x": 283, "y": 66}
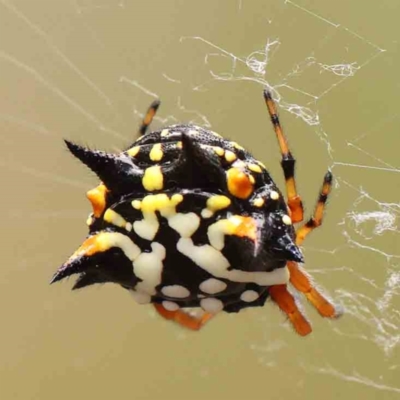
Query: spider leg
{"x": 183, "y": 318}
{"x": 302, "y": 282}
{"x": 288, "y": 162}
{"x": 298, "y": 278}
{"x": 316, "y": 220}
{"x": 287, "y": 304}
{"x": 148, "y": 118}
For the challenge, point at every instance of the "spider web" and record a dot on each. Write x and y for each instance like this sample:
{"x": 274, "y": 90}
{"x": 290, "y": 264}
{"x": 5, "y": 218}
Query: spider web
{"x": 312, "y": 62}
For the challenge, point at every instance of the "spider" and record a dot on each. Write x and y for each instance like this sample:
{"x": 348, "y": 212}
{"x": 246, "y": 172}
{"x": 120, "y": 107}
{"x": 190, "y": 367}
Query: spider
{"x": 185, "y": 218}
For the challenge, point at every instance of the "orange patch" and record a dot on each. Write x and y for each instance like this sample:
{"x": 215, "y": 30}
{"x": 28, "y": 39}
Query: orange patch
{"x": 244, "y": 227}
{"x": 97, "y": 198}
{"x": 239, "y": 183}
{"x": 89, "y": 247}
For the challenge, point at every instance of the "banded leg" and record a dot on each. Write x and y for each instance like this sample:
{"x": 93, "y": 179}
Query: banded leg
{"x": 148, "y": 118}
{"x": 183, "y": 318}
{"x": 287, "y": 304}
{"x": 316, "y": 220}
{"x": 288, "y": 162}
{"x": 298, "y": 278}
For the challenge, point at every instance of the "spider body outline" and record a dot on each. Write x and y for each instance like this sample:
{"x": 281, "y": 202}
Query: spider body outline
{"x": 185, "y": 218}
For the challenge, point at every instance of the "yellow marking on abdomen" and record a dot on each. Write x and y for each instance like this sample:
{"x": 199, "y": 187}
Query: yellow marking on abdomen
{"x": 153, "y": 178}
{"x": 230, "y": 156}
{"x": 114, "y": 218}
{"x": 156, "y": 153}
{"x": 133, "y": 151}
{"x": 254, "y": 168}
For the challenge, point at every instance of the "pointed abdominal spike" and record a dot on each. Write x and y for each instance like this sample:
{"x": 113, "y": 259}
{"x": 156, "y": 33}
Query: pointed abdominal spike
{"x": 209, "y": 166}
{"x": 288, "y": 249}
{"x": 114, "y": 170}
{"x": 99, "y": 243}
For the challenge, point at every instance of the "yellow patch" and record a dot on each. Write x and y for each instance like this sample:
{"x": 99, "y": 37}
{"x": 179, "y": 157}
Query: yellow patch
{"x": 219, "y": 150}
{"x": 97, "y": 197}
{"x": 156, "y": 153}
{"x": 114, "y": 218}
{"x": 230, "y": 156}
{"x": 259, "y": 202}
{"x": 286, "y": 220}
{"x": 218, "y": 202}
{"x": 179, "y": 145}
{"x": 162, "y": 203}
{"x": 274, "y": 195}
{"x": 153, "y": 178}
{"x": 239, "y": 184}
{"x": 137, "y": 204}
{"x": 164, "y": 132}
{"x": 254, "y": 168}
{"x": 133, "y": 151}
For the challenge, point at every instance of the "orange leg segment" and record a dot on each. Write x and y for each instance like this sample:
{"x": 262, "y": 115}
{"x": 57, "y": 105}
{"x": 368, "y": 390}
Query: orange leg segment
{"x": 183, "y": 318}
{"x": 302, "y": 283}
{"x": 287, "y": 304}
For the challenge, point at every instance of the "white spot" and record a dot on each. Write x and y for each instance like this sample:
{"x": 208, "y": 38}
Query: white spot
{"x": 213, "y": 261}
{"x": 147, "y": 228}
{"x": 286, "y": 220}
{"x": 274, "y": 195}
{"x": 140, "y": 297}
{"x": 216, "y": 234}
{"x": 185, "y": 224}
{"x": 176, "y": 291}
{"x": 170, "y": 305}
{"x": 148, "y": 267}
{"x": 249, "y": 296}
{"x": 212, "y": 286}
{"x": 206, "y": 213}
{"x": 212, "y": 305}
{"x": 206, "y": 256}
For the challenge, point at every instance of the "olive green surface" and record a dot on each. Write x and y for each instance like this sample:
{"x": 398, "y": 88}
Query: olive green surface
{"x": 86, "y": 70}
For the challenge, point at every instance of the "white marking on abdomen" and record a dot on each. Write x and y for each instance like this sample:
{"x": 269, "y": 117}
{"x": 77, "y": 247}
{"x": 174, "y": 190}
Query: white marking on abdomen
{"x": 176, "y": 291}
{"x": 214, "y": 262}
{"x": 170, "y": 305}
{"x": 249, "y": 296}
{"x": 148, "y": 267}
{"x": 212, "y": 286}
{"x": 184, "y": 224}
{"x": 212, "y": 305}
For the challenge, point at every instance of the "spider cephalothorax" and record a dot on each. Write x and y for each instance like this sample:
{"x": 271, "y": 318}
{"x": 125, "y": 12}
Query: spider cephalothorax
{"x": 187, "y": 219}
